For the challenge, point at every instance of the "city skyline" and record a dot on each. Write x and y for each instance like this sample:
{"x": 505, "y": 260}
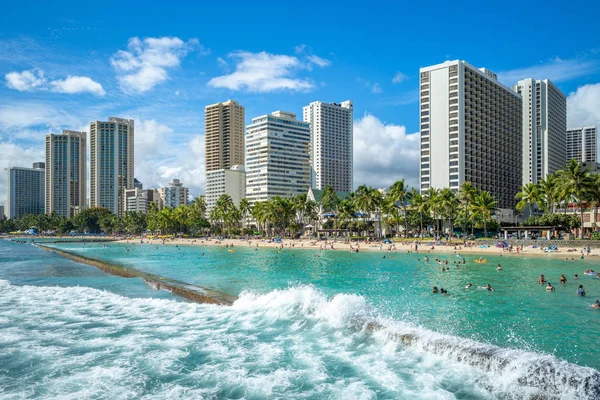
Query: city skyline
{"x": 65, "y": 69}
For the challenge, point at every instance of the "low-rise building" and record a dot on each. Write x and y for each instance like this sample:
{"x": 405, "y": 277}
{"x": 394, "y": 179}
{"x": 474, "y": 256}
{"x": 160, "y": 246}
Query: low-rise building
{"x": 174, "y": 195}
{"x": 230, "y": 181}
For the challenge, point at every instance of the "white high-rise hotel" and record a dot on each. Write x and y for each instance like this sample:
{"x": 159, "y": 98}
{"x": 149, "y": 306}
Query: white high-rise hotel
{"x": 66, "y": 173}
{"x": 581, "y": 144}
{"x": 331, "y": 140}
{"x": 111, "y": 163}
{"x": 277, "y": 157}
{"x": 471, "y": 131}
{"x": 544, "y": 127}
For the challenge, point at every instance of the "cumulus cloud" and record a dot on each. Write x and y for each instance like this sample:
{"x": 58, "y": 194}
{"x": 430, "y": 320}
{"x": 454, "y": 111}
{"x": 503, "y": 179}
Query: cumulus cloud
{"x": 145, "y": 62}
{"x": 374, "y": 87}
{"x": 583, "y": 106}
{"x": 34, "y": 79}
{"x": 264, "y": 72}
{"x": 25, "y": 81}
{"x": 384, "y": 153}
{"x": 21, "y": 115}
{"x": 557, "y": 70}
{"x": 150, "y": 137}
{"x": 399, "y": 78}
{"x": 318, "y": 61}
{"x": 77, "y": 84}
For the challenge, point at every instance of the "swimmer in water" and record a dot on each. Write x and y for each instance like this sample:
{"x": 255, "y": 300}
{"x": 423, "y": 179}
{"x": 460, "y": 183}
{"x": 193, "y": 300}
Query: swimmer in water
{"x": 596, "y": 304}
{"x": 435, "y": 289}
{"x": 489, "y": 287}
{"x": 541, "y": 279}
{"x": 549, "y": 287}
{"x": 499, "y": 268}
{"x": 468, "y": 286}
{"x": 580, "y": 291}
{"x": 426, "y": 259}
{"x": 576, "y": 276}
{"x": 563, "y": 279}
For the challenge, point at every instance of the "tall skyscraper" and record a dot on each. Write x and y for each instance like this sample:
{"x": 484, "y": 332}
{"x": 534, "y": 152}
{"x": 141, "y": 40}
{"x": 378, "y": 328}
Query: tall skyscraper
{"x": 331, "y": 144}
{"x": 174, "y": 195}
{"x": 230, "y": 181}
{"x": 581, "y": 144}
{"x": 25, "y": 191}
{"x": 111, "y": 162}
{"x": 224, "y": 135}
{"x": 470, "y": 131}
{"x": 544, "y": 128}
{"x": 65, "y": 173}
{"x": 278, "y": 157}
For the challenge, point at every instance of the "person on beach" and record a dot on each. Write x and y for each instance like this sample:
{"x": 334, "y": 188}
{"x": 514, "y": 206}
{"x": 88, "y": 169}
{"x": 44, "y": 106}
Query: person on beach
{"x": 549, "y": 287}
{"x": 541, "y": 280}
{"x": 580, "y": 291}
{"x": 563, "y": 279}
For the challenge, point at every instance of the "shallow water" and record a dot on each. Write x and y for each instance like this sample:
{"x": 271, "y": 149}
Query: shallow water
{"x": 302, "y": 327}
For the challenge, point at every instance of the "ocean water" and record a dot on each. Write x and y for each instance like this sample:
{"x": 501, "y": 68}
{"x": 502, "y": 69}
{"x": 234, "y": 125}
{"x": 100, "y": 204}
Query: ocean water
{"x": 306, "y": 325}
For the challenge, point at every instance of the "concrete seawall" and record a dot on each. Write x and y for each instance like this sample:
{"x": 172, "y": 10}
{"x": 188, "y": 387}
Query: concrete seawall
{"x": 191, "y": 292}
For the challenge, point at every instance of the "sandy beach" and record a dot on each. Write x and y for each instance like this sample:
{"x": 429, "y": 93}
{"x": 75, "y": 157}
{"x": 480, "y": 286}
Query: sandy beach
{"x": 339, "y": 245}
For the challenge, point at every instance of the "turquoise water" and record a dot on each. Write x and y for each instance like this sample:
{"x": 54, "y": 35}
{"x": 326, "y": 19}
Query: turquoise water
{"x": 299, "y": 330}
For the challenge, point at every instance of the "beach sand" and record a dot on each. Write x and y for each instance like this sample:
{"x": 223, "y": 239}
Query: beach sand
{"x": 339, "y": 245}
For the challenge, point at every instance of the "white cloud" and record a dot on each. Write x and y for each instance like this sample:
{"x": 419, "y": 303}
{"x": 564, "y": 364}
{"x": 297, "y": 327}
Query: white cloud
{"x": 321, "y": 62}
{"x": 399, "y": 78}
{"x": 77, "y": 84}
{"x": 21, "y": 115}
{"x": 25, "y": 81}
{"x": 300, "y": 48}
{"x": 384, "y": 153}
{"x": 583, "y": 106}
{"x": 223, "y": 64}
{"x": 34, "y": 80}
{"x": 557, "y": 70}
{"x": 376, "y": 88}
{"x": 265, "y": 72}
{"x": 145, "y": 63}
{"x": 150, "y": 137}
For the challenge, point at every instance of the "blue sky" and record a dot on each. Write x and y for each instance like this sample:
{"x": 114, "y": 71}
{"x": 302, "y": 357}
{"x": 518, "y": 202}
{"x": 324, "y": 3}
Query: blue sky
{"x": 64, "y": 64}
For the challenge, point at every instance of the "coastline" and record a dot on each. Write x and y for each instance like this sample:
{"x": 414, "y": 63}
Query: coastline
{"x": 332, "y": 245}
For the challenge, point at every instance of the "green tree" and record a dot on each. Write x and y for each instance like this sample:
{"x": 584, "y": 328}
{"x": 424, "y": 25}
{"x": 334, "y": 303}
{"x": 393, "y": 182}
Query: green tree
{"x": 399, "y": 194}
{"x": 576, "y": 180}
{"x": 483, "y": 206}
{"x": 528, "y": 196}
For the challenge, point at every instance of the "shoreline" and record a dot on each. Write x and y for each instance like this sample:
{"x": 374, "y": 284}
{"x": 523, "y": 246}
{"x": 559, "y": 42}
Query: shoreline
{"x": 193, "y": 293}
{"x": 398, "y": 247}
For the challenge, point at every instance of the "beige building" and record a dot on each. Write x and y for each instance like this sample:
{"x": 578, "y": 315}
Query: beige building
{"x": 65, "y": 173}
{"x": 471, "y": 131}
{"x": 111, "y": 162}
{"x": 225, "y": 181}
{"x": 224, "y": 133}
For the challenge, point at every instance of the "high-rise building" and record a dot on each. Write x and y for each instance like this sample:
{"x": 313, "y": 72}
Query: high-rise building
{"x": 111, "y": 162}
{"x": 224, "y": 135}
{"x": 65, "y": 173}
{"x": 277, "y": 157}
{"x": 174, "y": 195}
{"x": 581, "y": 144}
{"x": 25, "y": 191}
{"x": 331, "y": 144}
{"x": 470, "y": 131}
{"x": 225, "y": 181}
{"x": 139, "y": 200}
{"x": 544, "y": 127}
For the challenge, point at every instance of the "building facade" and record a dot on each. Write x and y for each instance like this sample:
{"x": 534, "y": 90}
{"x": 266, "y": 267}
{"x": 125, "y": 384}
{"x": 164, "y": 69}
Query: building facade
{"x": 471, "y": 131}
{"x": 25, "y": 191}
{"x": 581, "y": 144}
{"x": 544, "y": 126}
{"x": 139, "y": 200}
{"x": 66, "y": 171}
{"x": 225, "y": 181}
{"x": 174, "y": 195}
{"x": 111, "y": 162}
{"x": 277, "y": 157}
{"x": 331, "y": 144}
{"x": 224, "y": 135}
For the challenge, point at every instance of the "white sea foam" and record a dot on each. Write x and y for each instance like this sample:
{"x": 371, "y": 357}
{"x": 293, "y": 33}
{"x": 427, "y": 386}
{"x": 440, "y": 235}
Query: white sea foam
{"x": 297, "y": 343}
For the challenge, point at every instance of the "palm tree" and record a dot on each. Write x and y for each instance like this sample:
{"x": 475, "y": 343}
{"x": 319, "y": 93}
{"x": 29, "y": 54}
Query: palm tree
{"x": 399, "y": 194}
{"x": 594, "y": 195}
{"x": 329, "y": 199}
{"x": 466, "y": 193}
{"x": 245, "y": 210}
{"x": 575, "y": 179}
{"x": 528, "y": 196}
{"x": 435, "y": 205}
{"x": 483, "y": 206}
{"x": 449, "y": 206}
{"x": 547, "y": 192}
{"x": 419, "y": 204}
{"x": 364, "y": 201}
{"x": 199, "y": 206}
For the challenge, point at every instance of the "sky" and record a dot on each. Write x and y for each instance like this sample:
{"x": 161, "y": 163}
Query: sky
{"x": 64, "y": 64}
